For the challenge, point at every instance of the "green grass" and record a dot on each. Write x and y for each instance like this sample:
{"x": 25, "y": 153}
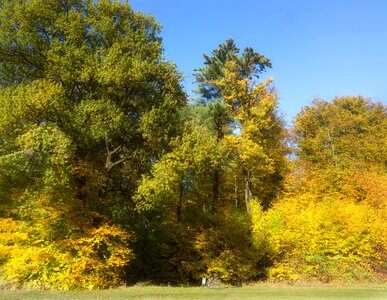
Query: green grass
{"x": 256, "y": 292}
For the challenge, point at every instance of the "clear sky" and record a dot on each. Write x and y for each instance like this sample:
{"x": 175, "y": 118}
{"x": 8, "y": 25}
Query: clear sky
{"x": 318, "y": 48}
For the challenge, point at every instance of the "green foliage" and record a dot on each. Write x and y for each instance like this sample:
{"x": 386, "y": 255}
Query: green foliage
{"x": 181, "y": 170}
{"x": 106, "y": 176}
{"x": 250, "y": 63}
{"x": 349, "y": 131}
{"x": 87, "y": 104}
{"x": 228, "y": 252}
{"x": 257, "y": 141}
{"x": 193, "y": 240}
{"x": 175, "y": 260}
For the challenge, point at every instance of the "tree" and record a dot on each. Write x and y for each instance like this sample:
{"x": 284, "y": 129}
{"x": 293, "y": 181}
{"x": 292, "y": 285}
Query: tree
{"x": 231, "y": 78}
{"x": 329, "y": 222}
{"x": 87, "y": 104}
{"x": 251, "y": 64}
{"x": 259, "y": 148}
{"x": 346, "y": 132}
{"x": 176, "y": 198}
{"x": 215, "y": 84}
{"x": 337, "y": 141}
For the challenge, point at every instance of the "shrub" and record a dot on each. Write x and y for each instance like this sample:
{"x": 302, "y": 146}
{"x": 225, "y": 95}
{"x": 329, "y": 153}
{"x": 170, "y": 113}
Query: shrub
{"x": 96, "y": 260}
{"x": 322, "y": 239}
{"x": 229, "y": 253}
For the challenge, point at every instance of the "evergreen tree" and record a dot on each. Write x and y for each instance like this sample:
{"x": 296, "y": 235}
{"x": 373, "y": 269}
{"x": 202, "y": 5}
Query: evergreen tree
{"x": 230, "y": 78}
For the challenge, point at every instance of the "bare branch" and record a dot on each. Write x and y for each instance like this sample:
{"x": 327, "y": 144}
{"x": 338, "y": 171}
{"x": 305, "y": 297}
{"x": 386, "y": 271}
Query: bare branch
{"x": 109, "y": 163}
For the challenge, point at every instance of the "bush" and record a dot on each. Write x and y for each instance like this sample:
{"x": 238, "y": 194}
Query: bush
{"x": 322, "y": 239}
{"x": 96, "y": 260}
{"x": 229, "y": 253}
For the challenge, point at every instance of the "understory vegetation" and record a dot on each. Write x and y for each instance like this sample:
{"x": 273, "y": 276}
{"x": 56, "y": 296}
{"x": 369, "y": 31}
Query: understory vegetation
{"x": 110, "y": 176}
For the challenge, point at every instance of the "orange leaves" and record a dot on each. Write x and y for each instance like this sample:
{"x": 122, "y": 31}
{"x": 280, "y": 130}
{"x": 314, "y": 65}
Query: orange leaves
{"x": 333, "y": 219}
{"x": 370, "y": 187}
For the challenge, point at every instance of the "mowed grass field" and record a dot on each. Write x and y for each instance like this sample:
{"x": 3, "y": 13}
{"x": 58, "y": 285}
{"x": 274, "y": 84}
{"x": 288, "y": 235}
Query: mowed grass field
{"x": 249, "y": 292}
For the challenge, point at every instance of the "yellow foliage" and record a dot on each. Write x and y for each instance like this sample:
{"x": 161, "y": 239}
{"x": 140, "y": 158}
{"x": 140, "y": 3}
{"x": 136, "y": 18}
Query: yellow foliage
{"x": 96, "y": 260}
{"x": 322, "y": 239}
{"x": 8, "y": 236}
{"x": 228, "y": 253}
{"x": 370, "y": 187}
{"x": 100, "y": 258}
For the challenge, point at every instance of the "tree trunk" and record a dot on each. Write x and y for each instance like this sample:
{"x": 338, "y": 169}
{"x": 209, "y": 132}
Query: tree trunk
{"x": 248, "y": 192}
{"x": 179, "y": 203}
{"x": 215, "y": 190}
{"x": 236, "y": 191}
{"x": 219, "y": 121}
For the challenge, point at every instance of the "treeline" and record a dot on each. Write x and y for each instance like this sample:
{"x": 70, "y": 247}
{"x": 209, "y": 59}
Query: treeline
{"x": 109, "y": 176}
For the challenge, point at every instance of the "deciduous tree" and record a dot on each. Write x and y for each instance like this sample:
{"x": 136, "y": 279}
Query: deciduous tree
{"x": 87, "y": 105}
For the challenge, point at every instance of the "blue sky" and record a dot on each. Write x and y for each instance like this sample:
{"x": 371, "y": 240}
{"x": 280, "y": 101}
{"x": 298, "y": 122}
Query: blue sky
{"x": 319, "y": 48}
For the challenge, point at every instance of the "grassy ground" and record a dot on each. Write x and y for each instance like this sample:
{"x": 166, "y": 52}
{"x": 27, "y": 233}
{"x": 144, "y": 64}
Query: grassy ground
{"x": 256, "y": 292}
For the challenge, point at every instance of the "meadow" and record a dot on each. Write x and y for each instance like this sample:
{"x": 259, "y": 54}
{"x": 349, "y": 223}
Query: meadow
{"x": 250, "y": 292}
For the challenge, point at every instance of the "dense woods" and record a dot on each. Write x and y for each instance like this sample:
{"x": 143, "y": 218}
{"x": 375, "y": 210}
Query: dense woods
{"x": 110, "y": 176}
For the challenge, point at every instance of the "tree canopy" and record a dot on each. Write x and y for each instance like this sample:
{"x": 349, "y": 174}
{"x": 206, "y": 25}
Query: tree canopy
{"x": 110, "y": 176}
{"x": 349, "y": 131}
{"x": 87, "y": 105}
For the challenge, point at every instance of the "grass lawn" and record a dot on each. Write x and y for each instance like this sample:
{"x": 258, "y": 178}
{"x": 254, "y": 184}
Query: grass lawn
{"x": 250, "y": 292}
